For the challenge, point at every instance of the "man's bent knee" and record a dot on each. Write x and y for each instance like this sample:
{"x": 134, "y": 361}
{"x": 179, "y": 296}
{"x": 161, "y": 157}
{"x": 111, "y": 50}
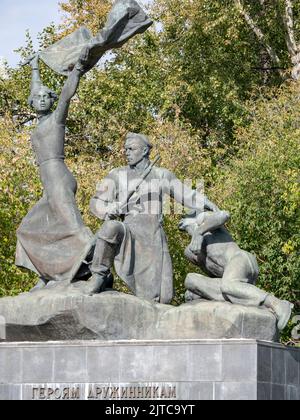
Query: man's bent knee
{"x": 195, "y": 281}
{"x": 111, "y": 231}
{"x": 228, "y": 287}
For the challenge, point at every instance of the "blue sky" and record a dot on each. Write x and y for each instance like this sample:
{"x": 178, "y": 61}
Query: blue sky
{"x": 18, "y": 15}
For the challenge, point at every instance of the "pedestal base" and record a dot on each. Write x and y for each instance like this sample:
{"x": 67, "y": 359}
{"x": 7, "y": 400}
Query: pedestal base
{"x": 154, "y": 370}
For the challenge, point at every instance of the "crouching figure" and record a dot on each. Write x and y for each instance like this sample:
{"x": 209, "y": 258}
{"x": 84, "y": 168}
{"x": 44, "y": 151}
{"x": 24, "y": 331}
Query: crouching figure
{"x": 232, "y": 272}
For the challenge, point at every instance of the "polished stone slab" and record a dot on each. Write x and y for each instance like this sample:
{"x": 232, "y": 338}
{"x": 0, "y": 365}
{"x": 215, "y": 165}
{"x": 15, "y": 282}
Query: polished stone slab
{"x": 142, "y": 370}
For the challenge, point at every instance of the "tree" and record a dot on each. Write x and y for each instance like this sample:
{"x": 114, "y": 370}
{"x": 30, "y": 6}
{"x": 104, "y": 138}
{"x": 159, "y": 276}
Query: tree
{"x": 285, "y": 10}
{"x": 19, "y": 189}
{"x": 214, "y": 65}
{"x": 260, "y": 187}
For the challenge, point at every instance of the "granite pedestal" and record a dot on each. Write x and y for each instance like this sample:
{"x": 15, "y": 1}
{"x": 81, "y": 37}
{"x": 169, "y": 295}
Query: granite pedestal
{"x": 154, "y": 370}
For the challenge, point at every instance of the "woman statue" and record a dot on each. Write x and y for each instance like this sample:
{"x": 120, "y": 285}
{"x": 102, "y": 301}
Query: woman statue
{"x": 52, "y": 239}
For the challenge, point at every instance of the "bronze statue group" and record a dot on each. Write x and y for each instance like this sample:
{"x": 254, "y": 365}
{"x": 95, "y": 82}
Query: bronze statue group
{"x": 53, "y": 241}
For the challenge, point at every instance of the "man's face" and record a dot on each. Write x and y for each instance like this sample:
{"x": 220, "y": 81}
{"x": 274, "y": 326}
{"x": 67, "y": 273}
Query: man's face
{"x": 135, "y": 151}
{"x": 42, "y": 101}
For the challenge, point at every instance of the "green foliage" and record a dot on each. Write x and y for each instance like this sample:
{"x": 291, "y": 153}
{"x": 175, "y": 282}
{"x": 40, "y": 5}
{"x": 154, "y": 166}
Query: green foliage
{"x": 260, "y": 187}
{"x": 90, "y": 13}
{"x": 19, "y": 189}
{"x": 124, "y": 95}
{"x": 213, "y": 63}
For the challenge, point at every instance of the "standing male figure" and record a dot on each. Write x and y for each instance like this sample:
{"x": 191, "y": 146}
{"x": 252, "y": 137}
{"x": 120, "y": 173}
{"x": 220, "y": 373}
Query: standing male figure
{"x": 136, "y": 243}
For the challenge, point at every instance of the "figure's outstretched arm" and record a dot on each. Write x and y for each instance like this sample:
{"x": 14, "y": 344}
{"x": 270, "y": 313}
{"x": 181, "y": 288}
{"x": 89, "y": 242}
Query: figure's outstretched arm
{"x": 70, "y": 87}
{"x": 186, "y": 196}
{"x": 35, "y": 74}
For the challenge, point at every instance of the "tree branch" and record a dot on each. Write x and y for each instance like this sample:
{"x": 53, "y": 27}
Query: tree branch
{"x": 267, "y": 69}
{"x": 258, "y": 32}
{"x": 288, "y": 20}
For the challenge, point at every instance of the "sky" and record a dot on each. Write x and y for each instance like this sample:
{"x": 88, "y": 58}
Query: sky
{"x": 16, "y": 16}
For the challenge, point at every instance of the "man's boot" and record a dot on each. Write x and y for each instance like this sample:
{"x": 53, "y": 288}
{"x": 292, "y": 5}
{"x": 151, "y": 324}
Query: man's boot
{"x": 102, "y": 262}
{"x": 281, "y": 308}
{"x": 99, "y": 280}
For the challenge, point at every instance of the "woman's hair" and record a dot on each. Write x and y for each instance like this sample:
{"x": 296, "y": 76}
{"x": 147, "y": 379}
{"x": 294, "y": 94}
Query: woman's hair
{"x": 50, "y": 92}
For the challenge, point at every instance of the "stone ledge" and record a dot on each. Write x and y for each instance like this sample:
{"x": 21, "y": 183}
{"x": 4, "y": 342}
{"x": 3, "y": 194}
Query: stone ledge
{"x": 65, "y": 313}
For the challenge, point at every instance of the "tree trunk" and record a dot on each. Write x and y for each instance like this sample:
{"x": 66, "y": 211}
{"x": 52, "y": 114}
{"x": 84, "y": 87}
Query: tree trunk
{"x": 265, "y": 61}
{"x": 292, "y": 46}
{"x": 296, "y": 67}
{"x": 258, "y": 33}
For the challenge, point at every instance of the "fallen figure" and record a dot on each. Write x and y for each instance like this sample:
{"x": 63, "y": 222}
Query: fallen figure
{"x": 232, "y": 272}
